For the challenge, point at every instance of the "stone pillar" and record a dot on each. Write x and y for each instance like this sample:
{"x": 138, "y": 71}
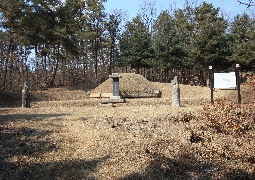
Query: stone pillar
{"x": 175, "y": 92}
{"x": 25, "y": 96}
{"x": 116, "y": 90}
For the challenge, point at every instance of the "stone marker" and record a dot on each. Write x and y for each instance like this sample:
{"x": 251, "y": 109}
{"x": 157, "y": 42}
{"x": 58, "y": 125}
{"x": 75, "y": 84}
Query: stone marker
{"x": 116, "y": 98}
{"x": 175, "y": 92}
{"x": 116, "y": 89}
{"x": 25, "y": 96}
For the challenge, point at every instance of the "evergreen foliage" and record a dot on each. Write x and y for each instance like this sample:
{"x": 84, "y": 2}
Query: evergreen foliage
{"x": 209, "y": 41}
{"x": 242, "y": 41}
{"x": 135, "y": 45}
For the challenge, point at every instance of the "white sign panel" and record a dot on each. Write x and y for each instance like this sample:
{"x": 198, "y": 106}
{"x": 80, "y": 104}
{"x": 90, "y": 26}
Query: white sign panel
{"x": 225, "y": 80}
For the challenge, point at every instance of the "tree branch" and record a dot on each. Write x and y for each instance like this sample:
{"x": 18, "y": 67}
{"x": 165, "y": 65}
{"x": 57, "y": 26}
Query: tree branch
{"x": 248, "y": 4}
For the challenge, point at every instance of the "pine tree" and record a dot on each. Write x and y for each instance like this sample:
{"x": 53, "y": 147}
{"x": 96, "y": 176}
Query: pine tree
{"x": 242, "y": 41}
{"x": 136, "y": 45}
{"x": 209, "y": 44}
{"x": 11, "y": 15}
{"x": 168, "y": 42}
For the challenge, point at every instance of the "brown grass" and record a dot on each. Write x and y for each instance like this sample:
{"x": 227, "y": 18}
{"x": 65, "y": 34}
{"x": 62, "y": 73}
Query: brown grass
{"x": 141, "y": 139}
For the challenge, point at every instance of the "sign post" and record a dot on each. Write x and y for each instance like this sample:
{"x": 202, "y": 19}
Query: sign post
{"x": 238, "y": 82}
{"x": 211, "y": 82}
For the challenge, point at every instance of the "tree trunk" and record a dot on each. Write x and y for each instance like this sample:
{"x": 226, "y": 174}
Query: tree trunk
{"x": 8, "y": 59}
{"x": 111, "y": 56}
{"x": 5, "y": 75}
{"x": 52, "y": 81}
{"x": 37, "y": 65}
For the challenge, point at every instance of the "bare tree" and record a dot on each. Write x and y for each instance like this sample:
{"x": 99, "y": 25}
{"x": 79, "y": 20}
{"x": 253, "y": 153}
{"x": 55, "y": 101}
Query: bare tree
{"x": 248, "y": 4}
{"x": 148, "y": 13}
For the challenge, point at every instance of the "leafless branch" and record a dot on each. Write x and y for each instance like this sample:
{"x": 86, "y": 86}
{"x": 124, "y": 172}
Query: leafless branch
{"x": 248, "y": 4}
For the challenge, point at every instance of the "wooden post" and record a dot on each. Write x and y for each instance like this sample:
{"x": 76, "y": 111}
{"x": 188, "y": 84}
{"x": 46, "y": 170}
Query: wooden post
{"x": 211, "y": 82}
{"x": 238, "y": 81}
{"x": 25, "y": 96}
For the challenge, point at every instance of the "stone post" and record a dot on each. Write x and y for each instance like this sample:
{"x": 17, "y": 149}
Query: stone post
{"x": 25, "y": 96}
{"x": 116, "y": 90}
{"x": 175, "y": 92}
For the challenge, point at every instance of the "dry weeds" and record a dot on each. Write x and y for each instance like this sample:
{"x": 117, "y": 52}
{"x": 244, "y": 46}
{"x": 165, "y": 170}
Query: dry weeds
{"x": 141, "y": 139}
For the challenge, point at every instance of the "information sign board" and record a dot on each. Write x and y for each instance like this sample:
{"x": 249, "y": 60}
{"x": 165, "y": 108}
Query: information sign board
{"x": 225, "y": 80}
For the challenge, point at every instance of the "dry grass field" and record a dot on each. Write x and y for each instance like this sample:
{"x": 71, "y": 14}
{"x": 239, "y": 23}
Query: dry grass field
{"x": 66, "y": 135}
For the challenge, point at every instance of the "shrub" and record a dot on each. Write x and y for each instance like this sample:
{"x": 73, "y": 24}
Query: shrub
{"x": 229, "y": 118}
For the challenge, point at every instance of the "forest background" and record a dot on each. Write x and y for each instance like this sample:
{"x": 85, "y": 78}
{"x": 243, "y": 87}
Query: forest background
{"x": 77, "y": 44}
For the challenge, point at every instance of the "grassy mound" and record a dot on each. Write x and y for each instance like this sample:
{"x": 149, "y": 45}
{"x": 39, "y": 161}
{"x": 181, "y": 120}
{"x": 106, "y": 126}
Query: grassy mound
{"x": 131, "y": 85}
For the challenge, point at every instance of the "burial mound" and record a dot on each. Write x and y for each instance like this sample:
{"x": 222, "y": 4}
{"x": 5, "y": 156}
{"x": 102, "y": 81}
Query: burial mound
{"x": 131, "y": 86}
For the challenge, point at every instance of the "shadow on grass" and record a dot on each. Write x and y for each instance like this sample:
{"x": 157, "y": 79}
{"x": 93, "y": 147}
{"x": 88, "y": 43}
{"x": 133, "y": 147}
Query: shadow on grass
{"x": 239, "y": 174}
{"x": 25, "y": 140}
{"x": 29, "y": 117}
{"x": 17, "y": 145}
{"x": 186, "y": 167}
{"x": 69, "y": 169}
{"x": 20, "y": 146}
{"x": 10, "y": 99}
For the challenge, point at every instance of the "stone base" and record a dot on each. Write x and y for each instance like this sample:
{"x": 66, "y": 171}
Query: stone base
{"x": 111, "y": 101}
{"x": 115, "y": 97}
